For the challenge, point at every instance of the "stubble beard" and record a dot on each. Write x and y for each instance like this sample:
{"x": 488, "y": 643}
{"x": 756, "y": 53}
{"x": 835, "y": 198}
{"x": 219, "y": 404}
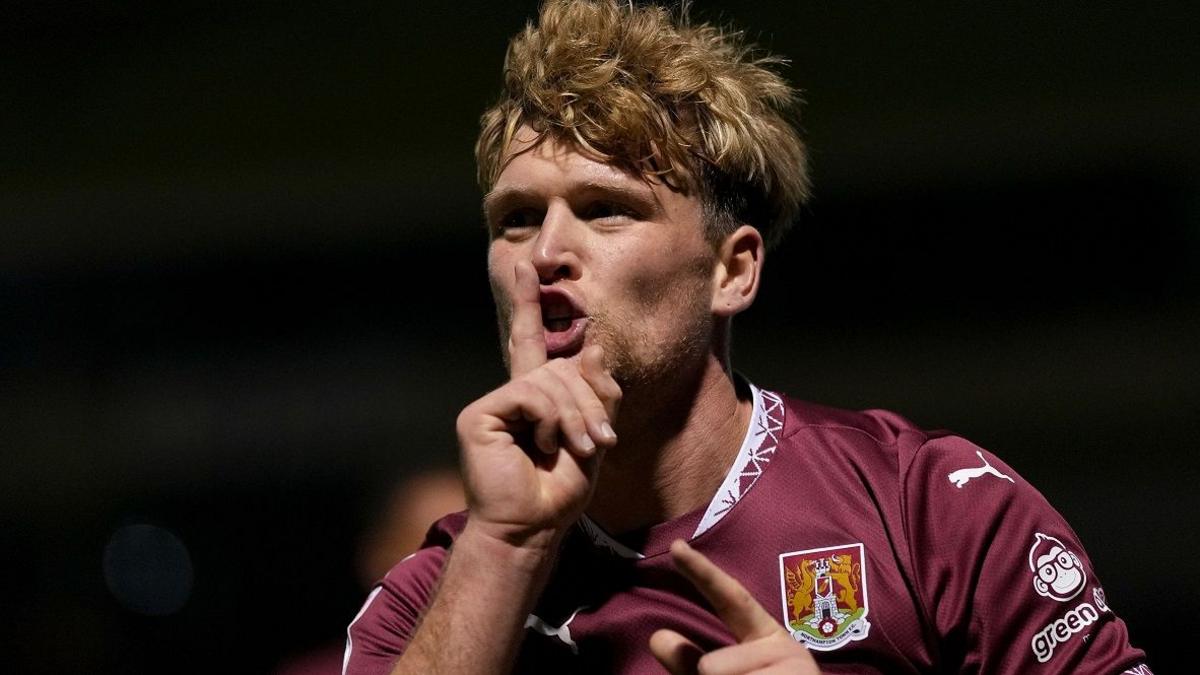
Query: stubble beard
{"x": 644, "y": 362}
{"x": 638, "y": 361}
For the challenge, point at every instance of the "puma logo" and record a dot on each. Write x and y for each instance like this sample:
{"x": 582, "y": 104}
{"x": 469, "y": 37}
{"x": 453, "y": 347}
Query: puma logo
{"x": 563, "y": 632}
{"x": 960, "y": 477}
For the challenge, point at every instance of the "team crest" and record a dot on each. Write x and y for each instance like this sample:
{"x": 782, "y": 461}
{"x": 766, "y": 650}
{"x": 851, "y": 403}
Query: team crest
{"x": 825, "y": 595}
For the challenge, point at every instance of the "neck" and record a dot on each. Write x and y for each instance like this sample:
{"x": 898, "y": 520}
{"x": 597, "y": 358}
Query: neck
{"x": 677, "y": 441}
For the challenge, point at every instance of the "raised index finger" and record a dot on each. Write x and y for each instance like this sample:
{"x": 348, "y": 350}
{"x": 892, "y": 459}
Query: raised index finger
{"x": 742, "y": 614}
{"x": 526, "y": 339}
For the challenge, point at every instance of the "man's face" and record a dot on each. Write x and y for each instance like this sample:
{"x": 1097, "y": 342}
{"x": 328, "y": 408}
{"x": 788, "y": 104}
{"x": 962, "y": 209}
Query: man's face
{"x": 622, "y": 261}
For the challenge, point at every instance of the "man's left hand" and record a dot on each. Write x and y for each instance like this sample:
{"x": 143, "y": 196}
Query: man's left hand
{"x": 763, "y": 645}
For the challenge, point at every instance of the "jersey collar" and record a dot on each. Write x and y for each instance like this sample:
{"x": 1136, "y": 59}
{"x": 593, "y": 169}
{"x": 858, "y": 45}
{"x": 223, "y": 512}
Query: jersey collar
{"x": 758, "y": 447}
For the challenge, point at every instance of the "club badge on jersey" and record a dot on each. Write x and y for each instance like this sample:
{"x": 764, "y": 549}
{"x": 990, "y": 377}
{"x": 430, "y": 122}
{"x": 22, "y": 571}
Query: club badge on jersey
{"x": 825, "y": 595}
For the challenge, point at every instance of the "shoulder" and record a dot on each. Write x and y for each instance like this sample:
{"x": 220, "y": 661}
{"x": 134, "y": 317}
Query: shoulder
{"x": 883, "y": 427}
{"x": 421, "y": 569}
{"x": 996, "y": 570}
{"x": 872, "y": 435}
{"x": 414, "y": 576}
{"x": 875, "y": 438}
{"x": 925, "y": 469}
{"x": 382, "y": 628}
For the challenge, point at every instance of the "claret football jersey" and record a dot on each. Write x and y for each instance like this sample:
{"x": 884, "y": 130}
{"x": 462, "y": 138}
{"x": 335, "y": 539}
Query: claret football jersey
{"x": 881, "y": 547}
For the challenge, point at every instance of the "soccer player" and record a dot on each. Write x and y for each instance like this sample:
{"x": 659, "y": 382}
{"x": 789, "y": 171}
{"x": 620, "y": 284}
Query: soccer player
{"x": 633, "y": 504}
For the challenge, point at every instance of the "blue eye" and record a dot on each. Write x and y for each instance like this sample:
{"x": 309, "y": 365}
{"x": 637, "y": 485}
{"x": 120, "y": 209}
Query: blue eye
{"x": 601, "y": 210}
{"x": 518, "y": 219}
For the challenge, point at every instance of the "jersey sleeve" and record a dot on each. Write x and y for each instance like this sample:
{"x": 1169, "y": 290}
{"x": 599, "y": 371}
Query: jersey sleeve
{"x": 381, "y": 630}
{"x": 1002, "y": 577}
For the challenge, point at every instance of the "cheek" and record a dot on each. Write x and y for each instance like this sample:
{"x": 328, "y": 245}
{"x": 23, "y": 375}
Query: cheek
{"x": 671, "y": 283}
{"x": 495, "y": 255}
{"x": 500, "y": 273}
{"x": 500, "y": 284}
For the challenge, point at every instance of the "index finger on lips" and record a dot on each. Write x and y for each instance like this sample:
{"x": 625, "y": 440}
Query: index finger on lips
{"x": 740, "y": 612}
{"x": 526, "y": 339}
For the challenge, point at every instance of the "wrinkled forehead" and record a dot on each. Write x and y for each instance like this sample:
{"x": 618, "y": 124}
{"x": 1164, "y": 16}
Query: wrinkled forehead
{"x": 574, "y": 155}
{"x": 564, "y": 156}
{"x": 538, "y": 168}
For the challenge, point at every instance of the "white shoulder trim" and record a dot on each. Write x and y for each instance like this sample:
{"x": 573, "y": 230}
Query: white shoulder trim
{"x": 766, "y": 422}
{"x": 350, "y": 640}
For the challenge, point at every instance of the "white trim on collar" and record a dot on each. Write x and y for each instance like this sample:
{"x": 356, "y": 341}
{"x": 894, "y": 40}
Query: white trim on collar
{"x": 762, "y": 437}
{"x": 757, "y": 449}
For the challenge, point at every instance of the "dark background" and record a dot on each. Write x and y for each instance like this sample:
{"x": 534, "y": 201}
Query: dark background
{"x": 242, "y": 289}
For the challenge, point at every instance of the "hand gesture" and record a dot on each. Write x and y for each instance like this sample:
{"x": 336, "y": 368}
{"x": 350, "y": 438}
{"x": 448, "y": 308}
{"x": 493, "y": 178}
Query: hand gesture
{"x": 531, "y": 449}
{"x": 764, "y": 646}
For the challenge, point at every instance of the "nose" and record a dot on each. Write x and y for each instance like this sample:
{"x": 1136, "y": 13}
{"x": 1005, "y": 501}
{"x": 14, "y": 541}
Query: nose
{"x": 556, "y": 250}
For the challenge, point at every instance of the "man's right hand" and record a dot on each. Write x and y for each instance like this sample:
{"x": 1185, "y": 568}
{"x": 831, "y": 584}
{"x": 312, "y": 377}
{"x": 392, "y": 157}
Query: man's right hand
{"x": 532, "y": 448}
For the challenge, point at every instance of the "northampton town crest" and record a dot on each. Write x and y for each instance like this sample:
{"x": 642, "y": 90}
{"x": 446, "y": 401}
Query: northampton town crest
{"x": 825, "y": 595}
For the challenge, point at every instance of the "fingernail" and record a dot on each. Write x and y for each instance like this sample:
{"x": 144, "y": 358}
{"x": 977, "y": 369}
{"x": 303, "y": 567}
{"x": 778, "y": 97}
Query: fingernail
{"x": 585, "y": 443}
{"x": 608, "y": 432}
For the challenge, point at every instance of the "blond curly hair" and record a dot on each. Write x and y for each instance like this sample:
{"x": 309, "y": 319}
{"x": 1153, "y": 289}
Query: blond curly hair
{"x": 694, "y": 106}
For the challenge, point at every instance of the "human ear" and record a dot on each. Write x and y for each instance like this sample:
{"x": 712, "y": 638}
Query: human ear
{"x": 738, "y": 271}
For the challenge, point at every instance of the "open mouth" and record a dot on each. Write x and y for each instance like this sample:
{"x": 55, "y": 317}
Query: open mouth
{"x": 564, "y": 320}
{"x": 557, "y": 324}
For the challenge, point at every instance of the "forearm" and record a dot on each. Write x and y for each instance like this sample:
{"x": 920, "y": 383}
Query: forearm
{"x": 475, "y": 622}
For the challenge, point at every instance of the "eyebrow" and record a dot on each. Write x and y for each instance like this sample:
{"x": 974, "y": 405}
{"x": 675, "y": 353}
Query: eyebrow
{"x": 497, "y": 198}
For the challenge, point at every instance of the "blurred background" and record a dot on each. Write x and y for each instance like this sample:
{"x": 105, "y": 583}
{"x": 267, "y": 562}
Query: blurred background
{"x": 243, "y": 295}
